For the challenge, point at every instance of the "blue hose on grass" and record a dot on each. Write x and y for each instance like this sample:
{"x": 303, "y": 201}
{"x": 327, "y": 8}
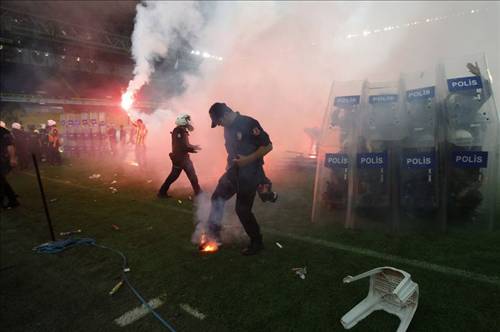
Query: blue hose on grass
{"x": 61, "y": 245}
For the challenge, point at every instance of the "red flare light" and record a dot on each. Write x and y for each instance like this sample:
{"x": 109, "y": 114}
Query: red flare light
{"x": 127, "y": 100}
{"x": 207, "y": 245}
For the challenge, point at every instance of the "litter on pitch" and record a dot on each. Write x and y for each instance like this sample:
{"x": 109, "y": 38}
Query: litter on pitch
{"x": 300, "y": 271}
{"x": 391, "y": 290}
{"x": 70, "y": 232}
{"x": 95, "y": 176}
{"x": 279, "y": 245}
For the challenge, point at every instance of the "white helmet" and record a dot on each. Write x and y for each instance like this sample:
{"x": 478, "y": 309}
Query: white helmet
{"x": 51, "y": 123}
{"x": 16, "y": 125}
{"x": 183, "y": 119}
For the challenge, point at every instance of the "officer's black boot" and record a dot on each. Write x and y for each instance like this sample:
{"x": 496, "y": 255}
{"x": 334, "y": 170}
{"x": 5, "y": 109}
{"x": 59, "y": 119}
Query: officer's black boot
{"x": 255, "y": 246}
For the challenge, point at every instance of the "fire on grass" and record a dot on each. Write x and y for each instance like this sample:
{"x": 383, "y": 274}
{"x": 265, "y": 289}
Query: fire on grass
{"x": 207, "y": 245}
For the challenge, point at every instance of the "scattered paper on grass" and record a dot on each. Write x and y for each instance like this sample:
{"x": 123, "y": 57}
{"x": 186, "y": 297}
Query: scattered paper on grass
{"x": 113, "y": 182}
{"x": 300, "y": 271}
{"x": 137, "y": 313}
{"x": 95, "y": 176}
{"x": 53, "y": 200}
{"x": 179, "y": 201}
{"x": 279, "y": 245}
{"x": 115, "y": 289}
{"x": 192, "y": 311}
{"x": 115, "y": 227}
{"x": 70, "y": 232}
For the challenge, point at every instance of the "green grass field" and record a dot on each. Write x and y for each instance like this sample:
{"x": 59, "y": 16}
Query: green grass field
{"x": 458, "y": 272}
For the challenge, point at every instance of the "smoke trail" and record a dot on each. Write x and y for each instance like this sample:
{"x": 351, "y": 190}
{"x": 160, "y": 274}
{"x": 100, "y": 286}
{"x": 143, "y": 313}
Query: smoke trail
{"x": 157, "y": 24}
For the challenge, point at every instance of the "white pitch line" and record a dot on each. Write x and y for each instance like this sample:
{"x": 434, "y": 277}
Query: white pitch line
{"x": 494, "y": 280}
{"x": 137, "y": 313}
{"x": 392, "y": 258}
{"x": 192, "y": 311}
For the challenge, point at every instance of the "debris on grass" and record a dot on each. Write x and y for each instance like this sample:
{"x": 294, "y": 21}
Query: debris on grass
{"x": 179, "y": 201}
{"x": 116, "y": 228}
{"x": 116, "y": 288}
{"x": 279, "y": 245}
{"x": 300, "y": 271}
{"x": 113, "y": 190}
{"x": 70, "y": 232}
{"x": 192, "y": 311}
{"x": 95, "y": 176}
{"x": 149, "y": 181}
{"x": 113, "y": 182}
{"x": 127, "y": 269}
{"x": 53, "y": 200}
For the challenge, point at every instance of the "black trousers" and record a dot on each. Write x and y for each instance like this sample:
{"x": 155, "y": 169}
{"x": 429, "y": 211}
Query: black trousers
{"x": 244, "y": 185}
{"x": 178, "y": 165}
{"x": 6, "y": 190}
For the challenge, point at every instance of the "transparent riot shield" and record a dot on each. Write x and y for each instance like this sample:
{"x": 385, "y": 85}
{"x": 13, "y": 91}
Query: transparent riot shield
{"x": 87, "y": 142}
{"x": 472, "y": 142}
{"x": 419, "y": 164}
{"x": 94, "y": 135}
{"x": 78, "y": 135}
{"x": 333, "y": 183}
{"x": 101, "y": 119}
{"x": 383, "y": 127}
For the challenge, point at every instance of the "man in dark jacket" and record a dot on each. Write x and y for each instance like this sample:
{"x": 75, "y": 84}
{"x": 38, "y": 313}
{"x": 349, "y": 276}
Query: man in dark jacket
{"x": 246, "y": 145}
{"x": 180, "y": 156}
{"x": 7, "y": 161}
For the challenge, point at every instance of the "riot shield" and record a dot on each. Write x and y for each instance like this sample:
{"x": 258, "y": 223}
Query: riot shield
{"x": 383, "y": 127}
{"x": 419, "y": 167}
{"x": 472, "y": 142}
{"x": 333, "y": 183}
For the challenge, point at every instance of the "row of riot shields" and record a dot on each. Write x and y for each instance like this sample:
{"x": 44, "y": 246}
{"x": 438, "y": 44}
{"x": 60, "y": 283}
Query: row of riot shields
{"x": 84, "y": 134}
{"x": 418, "y": 153}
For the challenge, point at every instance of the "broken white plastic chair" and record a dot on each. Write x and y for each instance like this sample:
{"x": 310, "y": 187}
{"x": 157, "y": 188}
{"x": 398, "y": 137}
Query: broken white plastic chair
{"x": 391, "y": 290}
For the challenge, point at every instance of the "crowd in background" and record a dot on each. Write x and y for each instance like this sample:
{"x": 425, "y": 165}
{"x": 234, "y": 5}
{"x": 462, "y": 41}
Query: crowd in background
{"x": 43, "y": 141}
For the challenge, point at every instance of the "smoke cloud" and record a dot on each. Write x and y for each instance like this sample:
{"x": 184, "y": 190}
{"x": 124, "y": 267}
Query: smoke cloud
{"x": 279, "y": 60}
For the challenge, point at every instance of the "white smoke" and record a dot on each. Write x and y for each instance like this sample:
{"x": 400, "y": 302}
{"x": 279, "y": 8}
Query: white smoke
{"x": 280, "y": 59}
{"x": 157, "y": 24}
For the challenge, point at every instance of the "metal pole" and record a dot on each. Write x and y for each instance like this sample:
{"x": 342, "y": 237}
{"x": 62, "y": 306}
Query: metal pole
{"x": 43, "y": 197}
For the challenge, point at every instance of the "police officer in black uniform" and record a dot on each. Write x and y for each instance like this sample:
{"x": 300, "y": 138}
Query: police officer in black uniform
{"x": 180, "y": 156}
{"x": 246, "y": 145}
{"x": 7, "y": 162}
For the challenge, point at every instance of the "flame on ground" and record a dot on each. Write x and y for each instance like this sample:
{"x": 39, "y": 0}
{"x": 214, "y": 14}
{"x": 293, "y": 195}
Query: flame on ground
{"x": 207, "y": 245}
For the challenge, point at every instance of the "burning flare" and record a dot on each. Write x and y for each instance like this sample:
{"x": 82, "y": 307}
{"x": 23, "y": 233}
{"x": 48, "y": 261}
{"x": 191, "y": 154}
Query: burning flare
{"x": 127, "y": 100}
{"x": 207, "y": 245}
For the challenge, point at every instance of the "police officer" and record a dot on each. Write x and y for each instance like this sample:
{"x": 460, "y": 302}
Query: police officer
{"x": 246, "y": 145}
{"x": 7, "y": 162}
{"x": 180, "y": 156}
{"x": 21, "y": 143}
